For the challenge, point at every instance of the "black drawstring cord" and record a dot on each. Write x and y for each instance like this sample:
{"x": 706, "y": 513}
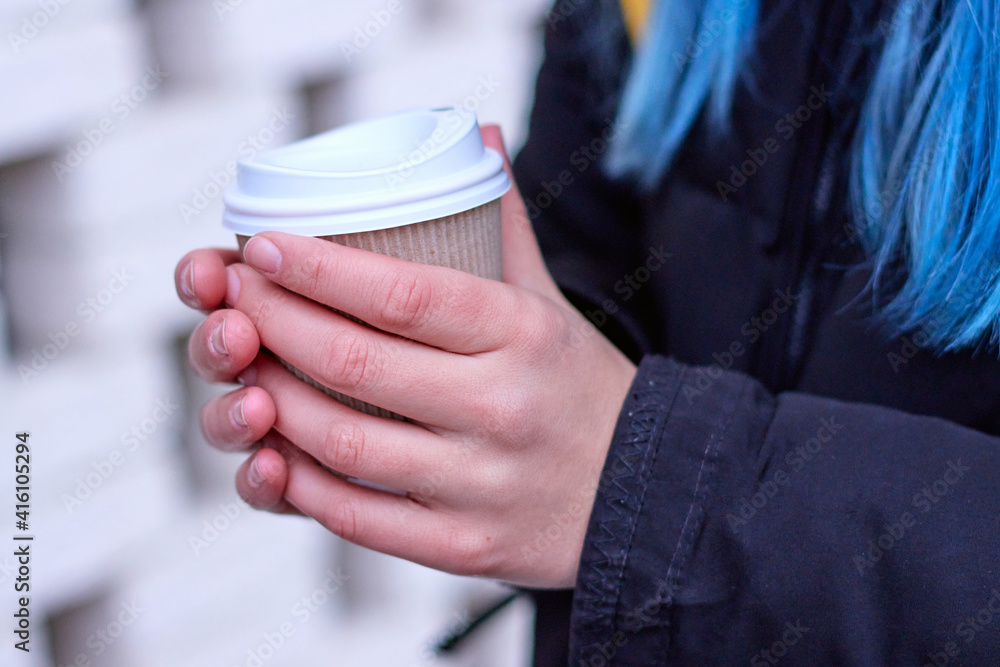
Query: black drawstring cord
{"x": 451, "y": 641}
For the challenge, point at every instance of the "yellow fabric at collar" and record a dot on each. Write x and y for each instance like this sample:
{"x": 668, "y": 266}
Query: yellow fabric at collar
{"x": 636, "y": 14}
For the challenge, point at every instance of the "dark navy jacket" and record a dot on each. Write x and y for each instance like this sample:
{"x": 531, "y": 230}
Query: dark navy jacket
{"x": 787, "y": 484}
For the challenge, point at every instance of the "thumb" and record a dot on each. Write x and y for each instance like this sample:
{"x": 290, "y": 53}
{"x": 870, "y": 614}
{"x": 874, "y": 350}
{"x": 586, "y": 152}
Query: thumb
{"x": 522, "y": 259}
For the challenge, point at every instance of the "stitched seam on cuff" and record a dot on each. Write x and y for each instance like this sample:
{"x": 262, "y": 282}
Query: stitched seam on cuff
{"x": 648, "y": 463}
{"x": 696, "y": 513}
{"x": 648, "y": 407}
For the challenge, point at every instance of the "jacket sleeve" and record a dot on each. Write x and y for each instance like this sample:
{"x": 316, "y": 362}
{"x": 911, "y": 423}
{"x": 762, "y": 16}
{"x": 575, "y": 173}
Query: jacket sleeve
{"x": 735, "y": 527}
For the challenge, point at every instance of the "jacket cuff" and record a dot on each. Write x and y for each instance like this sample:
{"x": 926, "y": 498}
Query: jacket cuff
{"x": 649, "y": 510}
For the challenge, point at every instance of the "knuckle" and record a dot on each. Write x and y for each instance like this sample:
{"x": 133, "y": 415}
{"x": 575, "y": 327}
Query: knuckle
{"x": 407, "y": 301}
{"x": 344, "y": 447}
{"x": 540, "y": 328}
{"x": 506, "y": 478}
{"x": 481, "y": 409}
{"x": 264, "y": 311}
{"x": 316, "y": 273}
{"x": 468, "y": 552}
{"x": 501, "y": 412}
{"x": 350, "y": 361}
{"x": 342, "y": 519}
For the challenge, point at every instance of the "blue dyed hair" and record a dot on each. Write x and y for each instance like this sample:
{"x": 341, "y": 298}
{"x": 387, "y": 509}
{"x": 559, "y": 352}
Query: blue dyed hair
{"x": 691, "y": 58}
{"x": 925, "y": 164}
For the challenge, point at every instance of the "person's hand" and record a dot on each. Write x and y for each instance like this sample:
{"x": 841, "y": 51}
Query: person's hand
{"x": 220, "y": 348}
{"x": 512, "y": 394}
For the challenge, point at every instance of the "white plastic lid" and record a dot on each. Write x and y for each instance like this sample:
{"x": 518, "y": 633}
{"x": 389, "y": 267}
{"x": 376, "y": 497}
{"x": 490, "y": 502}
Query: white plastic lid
{"x": 398, "y": 170}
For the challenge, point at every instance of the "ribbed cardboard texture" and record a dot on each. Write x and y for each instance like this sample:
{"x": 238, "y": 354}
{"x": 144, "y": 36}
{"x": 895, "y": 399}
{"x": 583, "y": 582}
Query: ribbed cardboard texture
{"x": 469, "y": 241}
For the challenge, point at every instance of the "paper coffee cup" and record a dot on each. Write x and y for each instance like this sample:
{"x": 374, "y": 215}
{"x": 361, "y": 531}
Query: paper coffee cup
{"x": 417, "y": 185}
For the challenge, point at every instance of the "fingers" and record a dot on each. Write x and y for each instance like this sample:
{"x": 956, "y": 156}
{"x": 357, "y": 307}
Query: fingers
{"x": 236, "y": 420}
{"x": 389, "y": 452}
{"x": 200, "y": 277}
{"x": 261, "y": 479}
{"x": 400, "y": 375}
{"x": 385, "y": 522}
{"x": 523, "y": 264}
{"x": 442, "y": 307}
{"x": 223, "y": 345}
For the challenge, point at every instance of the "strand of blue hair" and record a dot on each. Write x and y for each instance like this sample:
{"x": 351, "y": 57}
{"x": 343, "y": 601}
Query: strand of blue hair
{"x": 925, "y": 163}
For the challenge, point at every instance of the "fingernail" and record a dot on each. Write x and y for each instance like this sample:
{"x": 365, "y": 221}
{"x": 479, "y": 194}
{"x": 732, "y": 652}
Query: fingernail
{"x": 232, "y": 286}
{"x": 254, "y": 475}
{"x": 187, "y": 284}
{"x": 262, "y": 254}
{"x": 237, "y": 415}
{"x": 217, "y": 340}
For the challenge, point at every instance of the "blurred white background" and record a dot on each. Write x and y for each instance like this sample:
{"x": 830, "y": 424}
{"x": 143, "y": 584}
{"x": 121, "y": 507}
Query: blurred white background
{"x": 118, "y": 121}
